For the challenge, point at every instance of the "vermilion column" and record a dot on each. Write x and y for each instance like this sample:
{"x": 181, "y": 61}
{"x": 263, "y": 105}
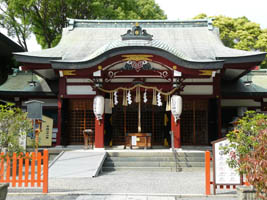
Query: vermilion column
{"x": 59, "y": 107}
{"x": 176, "y": 132}
{"x": 99, "y": 133}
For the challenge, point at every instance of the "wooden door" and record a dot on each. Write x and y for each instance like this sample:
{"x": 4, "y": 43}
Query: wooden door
{"x": 194, "y": 122}
{"x": 80, "y": 117}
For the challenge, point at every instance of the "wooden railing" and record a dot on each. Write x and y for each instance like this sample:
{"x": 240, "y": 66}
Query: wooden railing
{"x": 29, "y": 170}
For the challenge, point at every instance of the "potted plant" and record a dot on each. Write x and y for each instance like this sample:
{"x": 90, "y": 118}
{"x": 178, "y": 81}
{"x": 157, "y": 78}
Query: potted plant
{"x": 247, "y": 150}
{"x": 14, "y": 125}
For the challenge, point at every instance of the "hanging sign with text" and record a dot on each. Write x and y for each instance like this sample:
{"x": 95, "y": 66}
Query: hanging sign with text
{"x": 223, "y": 174}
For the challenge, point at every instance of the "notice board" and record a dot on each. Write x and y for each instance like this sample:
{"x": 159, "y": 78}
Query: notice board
{"x": 45, "y": 136}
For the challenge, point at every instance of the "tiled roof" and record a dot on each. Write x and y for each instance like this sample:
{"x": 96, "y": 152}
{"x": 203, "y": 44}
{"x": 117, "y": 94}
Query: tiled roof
{"x": 19, "y": 83}
{"x": 7, "y": 46}
{"x": 257, "y": 88}
{"x": 85, "y": 40}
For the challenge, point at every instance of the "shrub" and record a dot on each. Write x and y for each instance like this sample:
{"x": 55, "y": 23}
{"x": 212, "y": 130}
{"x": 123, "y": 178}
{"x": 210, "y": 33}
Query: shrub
{"x": 249, "y": 142}
{"x": 13, "y": 125}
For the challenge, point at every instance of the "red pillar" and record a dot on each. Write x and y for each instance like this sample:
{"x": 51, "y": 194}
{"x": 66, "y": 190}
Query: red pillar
{"x": 99, "y": 133}
{"x": 176, "y": 132}
{"x": 59, "y": 106}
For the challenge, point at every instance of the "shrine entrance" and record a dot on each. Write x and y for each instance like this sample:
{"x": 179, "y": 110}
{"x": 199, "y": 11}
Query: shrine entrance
{"x": 139, "y": 111}
{"x": 125, "y": 120}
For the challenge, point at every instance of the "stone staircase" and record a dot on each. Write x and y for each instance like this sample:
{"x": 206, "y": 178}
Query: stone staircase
{"x": 154, "y": 161}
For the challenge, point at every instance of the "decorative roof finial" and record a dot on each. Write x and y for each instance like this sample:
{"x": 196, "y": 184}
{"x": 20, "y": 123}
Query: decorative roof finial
{"x": 137, "y": 33}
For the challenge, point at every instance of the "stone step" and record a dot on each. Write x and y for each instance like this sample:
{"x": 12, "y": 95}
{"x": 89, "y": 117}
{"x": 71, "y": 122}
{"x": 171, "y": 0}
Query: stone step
{"x": 153, "y": 164}
{"x": 154, "y": 160}
{"x": 159, "y": 159}
{"x": 156, "y": 169}
{"x": 154, "y": 154}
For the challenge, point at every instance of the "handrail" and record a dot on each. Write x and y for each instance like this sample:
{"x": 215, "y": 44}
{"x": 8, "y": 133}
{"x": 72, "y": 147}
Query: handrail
{"x": 177, "y": 168}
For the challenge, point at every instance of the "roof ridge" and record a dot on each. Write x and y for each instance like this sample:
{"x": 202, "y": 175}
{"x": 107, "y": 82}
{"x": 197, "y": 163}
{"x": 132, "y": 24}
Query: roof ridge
{"x": 72, "y": 23}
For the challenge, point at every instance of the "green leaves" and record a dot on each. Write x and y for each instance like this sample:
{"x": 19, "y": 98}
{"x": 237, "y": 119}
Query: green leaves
{"x": 13, "y": 124}
{"x": 14, "y": 22}
{"x": 249, "y": 140}
{"x": 47, "y": 18}
{"x": 240, "y": 33}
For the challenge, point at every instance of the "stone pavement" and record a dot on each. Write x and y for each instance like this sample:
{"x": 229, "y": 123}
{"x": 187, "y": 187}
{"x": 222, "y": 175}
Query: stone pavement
{"x": 127, "y": 185}
{"x": 124, "y": 185}
{"x": 136, "y": 182}
{"x": 113, "y": 197}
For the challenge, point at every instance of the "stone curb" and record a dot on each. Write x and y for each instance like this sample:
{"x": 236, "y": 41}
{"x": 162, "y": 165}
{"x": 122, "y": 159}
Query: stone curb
{"x": 125, "y": 194}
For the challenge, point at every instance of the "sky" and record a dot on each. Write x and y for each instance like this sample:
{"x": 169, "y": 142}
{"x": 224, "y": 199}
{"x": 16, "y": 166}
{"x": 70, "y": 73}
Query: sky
{"x": 255, "y": 10}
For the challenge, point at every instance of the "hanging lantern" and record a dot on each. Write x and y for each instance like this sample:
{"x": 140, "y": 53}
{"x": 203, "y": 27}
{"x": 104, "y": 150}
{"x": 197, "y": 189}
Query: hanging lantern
{"x": 176, "y": 107}
{"x": 98, "y": 107}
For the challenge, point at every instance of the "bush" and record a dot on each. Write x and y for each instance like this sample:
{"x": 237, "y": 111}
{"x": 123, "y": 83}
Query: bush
{"x": 249, "y": 142}
{"x": 13, "y": 124}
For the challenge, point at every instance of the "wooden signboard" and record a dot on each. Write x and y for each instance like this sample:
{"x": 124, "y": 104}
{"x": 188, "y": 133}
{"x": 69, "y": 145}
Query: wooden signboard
{"x": 45, "y": 136}
{"x": 222, "y": 173}
{"x": 138, "y": 140}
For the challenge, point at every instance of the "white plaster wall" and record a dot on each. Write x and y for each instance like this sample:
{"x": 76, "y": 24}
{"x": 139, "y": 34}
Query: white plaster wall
{"x": 80, "y": 90}
{"x": 198, "y": 80}
{"x": 239, "y": 102}
{"x": 198, "y": 90}
{"x": 78, "y": 80}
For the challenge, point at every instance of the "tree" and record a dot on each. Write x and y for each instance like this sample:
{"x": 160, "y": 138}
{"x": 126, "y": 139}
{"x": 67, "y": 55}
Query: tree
{"x": 249, "y": 141}
{"x": 47, "y": 18}
{"x": 13, "y": 124}
{"x": 15, "y": 23}
{"x": 240, "y": 33}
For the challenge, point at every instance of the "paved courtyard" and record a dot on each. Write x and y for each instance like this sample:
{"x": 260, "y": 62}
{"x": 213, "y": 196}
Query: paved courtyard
{"x": 128, "y": 185}
{"x": 114, "y": 197}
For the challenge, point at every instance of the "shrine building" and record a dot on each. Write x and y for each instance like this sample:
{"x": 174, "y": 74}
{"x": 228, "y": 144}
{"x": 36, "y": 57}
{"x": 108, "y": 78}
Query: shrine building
{"x": 137, "y": 66}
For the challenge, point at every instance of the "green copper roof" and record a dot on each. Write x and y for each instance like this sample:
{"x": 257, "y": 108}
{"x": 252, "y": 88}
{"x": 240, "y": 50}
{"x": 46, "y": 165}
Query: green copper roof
{"x": 257, "y": 88}
{"x": 19, "y": 83}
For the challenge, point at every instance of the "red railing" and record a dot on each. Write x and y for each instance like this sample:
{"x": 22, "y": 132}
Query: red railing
{"x": 208, "y": 158}
{"x": 29, "y": 170}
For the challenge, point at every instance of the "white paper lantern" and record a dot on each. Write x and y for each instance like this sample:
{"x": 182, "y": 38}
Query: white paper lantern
{"x": 176, "y": 106}
{"x": 98, "y": 107}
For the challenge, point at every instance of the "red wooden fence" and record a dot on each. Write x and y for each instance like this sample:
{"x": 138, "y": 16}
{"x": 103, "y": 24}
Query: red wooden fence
{"x": 25, "y": 170}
